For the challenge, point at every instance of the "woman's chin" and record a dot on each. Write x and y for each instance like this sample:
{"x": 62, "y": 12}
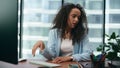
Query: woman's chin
{"x": 73, "y": 27}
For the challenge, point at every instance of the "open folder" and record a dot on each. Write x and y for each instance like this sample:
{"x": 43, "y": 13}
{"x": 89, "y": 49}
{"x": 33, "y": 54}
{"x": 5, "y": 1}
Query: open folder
{"x": 43, "y": 63}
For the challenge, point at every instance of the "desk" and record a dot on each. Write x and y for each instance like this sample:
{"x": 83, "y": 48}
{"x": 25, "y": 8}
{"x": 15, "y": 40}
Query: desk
{"x": 26, "y": 64}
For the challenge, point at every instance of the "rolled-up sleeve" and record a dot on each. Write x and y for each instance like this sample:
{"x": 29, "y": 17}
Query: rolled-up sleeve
{"x": 84, "y": 51}
{"x": 49, "y": 51}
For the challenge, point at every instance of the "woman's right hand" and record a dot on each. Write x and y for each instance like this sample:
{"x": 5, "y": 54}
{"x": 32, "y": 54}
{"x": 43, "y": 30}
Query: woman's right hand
{"x": 38, "y": 44}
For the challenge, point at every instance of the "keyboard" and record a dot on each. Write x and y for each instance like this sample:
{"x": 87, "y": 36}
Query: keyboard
{"x": 43, "y": 63}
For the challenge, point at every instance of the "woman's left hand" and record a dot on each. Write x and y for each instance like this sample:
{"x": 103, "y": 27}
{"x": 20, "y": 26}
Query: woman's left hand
{"x": 61, "y": 59}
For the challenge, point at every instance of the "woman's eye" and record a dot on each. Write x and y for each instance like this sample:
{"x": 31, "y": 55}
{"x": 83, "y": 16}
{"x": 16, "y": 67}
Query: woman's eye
{"x": 73, "y": 16}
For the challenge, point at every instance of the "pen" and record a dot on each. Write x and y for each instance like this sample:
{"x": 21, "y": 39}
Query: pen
{"x": 99, "y": 57}
{"x": 91, "y": 56}
{"x": 103, "y": 57}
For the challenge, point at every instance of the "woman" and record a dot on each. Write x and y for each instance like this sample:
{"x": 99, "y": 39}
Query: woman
{"x": 68, "y": 37}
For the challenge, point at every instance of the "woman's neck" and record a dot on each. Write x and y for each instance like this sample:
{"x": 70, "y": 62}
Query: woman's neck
{"x": 68, "y": 33}
{"x": 68, "y": 30}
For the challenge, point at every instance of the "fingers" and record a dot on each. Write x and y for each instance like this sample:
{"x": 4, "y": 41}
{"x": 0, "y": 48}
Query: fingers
{"x": 57, "y": 60}
{"x": 40, "y": 45}
{"x": 61, "y": 59}
{"x": 34, "y": 49}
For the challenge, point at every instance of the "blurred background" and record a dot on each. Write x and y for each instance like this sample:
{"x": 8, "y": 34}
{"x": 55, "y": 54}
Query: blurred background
{"x": 35, "y": 18}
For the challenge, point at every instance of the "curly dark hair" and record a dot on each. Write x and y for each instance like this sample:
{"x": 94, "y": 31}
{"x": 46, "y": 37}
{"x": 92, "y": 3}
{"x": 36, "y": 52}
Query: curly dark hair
{"x": 59, "y": 22}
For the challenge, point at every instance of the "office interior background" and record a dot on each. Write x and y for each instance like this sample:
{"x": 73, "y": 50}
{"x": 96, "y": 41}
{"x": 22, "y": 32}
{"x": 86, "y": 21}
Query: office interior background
{"x": 36, "y": 16}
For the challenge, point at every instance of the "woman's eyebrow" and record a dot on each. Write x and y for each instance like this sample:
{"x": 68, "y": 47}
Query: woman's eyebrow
{"x": 75, "y": 15}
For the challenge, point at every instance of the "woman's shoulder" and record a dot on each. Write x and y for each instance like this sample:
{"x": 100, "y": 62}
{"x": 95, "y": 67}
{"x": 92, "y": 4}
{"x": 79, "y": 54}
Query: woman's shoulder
{"x": 53, "y": 30}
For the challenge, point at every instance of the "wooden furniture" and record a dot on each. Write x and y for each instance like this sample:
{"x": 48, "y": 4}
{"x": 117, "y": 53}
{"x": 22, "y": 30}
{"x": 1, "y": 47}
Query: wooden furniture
{"x": 26, "y": 64}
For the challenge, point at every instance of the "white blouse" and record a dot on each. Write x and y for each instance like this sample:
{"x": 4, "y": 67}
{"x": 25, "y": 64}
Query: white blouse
{"x": 66, "y": 47}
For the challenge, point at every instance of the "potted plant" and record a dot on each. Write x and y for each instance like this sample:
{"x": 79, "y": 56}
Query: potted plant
{"x": 111, "y": 48}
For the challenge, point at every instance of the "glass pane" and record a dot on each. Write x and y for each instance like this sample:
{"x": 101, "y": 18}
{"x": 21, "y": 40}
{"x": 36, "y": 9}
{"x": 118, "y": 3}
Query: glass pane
{"x": 32, "y": 4}
{"x": 95, "y": 18}
{"x": 114, "y": 4}
{"x": 36, "y": 31}
{"x": 54, "y": 4}
{"x": 37, "y": 18}
{"x": 94, "y": 5}
{"x": 95, "y": 32}
{"x": 112, "y": 16}
{"x": 32, "y": 17}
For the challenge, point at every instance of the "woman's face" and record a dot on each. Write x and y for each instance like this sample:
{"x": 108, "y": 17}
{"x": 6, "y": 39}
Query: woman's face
{"x": 73, "y": 18}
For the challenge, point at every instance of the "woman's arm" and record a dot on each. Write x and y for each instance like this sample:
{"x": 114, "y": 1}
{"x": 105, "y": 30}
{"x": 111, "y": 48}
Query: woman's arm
{"x": 49, "y": 51}
{"x": 84, "y": 51}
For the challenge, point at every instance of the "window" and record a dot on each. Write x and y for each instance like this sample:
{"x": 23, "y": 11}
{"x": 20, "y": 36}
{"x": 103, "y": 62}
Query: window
{"x": 95, "y": 18}
{"x": 114, "y": 4}
{"x": 112, "y": 16}
{"x": 38, "y": 16}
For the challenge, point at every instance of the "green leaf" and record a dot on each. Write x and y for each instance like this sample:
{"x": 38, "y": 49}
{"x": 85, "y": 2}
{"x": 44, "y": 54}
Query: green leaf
{"x": 107, "y": 49}
{"x": 111, "y": 43}
{"x": 99, "y": 49}
{"x": 115, "y": 48}
{"x": 111, "y": 55}
{"x": 117, "y": 36}
{"x": 112, "y": 36}
{"x": 107, "y": 35}
{"x": 118, "y": 41}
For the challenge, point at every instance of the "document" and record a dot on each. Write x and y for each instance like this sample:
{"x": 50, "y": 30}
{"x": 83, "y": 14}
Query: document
{"x": 44, "y": 63}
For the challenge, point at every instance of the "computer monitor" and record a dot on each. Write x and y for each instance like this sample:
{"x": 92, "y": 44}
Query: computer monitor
{"x": 9, "y": 31}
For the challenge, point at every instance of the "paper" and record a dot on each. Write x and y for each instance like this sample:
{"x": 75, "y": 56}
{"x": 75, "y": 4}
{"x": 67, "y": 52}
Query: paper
{"x": 43, "y": 63}
{"x": 22, "y": 59}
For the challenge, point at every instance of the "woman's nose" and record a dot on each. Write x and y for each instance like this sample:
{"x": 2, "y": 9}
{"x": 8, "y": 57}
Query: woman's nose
{"x": 76, "y": 19}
